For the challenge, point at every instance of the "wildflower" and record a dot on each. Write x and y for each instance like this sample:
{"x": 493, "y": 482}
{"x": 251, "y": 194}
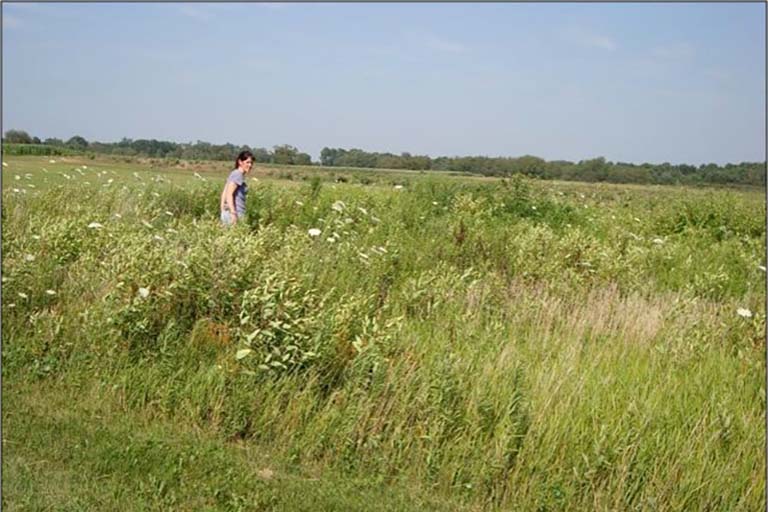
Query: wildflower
{"x": 85, "y": 167}
{"x": 533, "y": 208}
{"x": 761, "y": 267}
{"x": 299, "y": 203}
{"x": 118, "y": 216}
{"x": 155, "y": 194}
{"x": 95, "y": 225}
{"x": 398, "y": 187}
{"x": 51, "y": 161}
{"x": 50, "y": 292}
{"x": 144, "y": 292}
{"x": 16, "y": 177}
{"x": 36, "y": 237}
{"x": 31, "y": 185}
{"x": 434, "y": 203}
{"x": 23, "y": 295}
{"x": 743, "y": 312}
{"x": 16, "y": 190}
{"x": 658, "y": 241}
{"x": 11, "y": 305}
{"x": 330, "y": 239}
{"x": 636, "y": 219}
{"x": 338, "y": 206}
{"x": 314, "y": 232}
{"x": 5, "y": 164}
{"x": 29, "y": 257}
{"x": 170, "y": 214}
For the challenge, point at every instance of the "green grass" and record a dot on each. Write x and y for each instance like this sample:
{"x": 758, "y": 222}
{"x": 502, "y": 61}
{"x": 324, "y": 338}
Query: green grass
{"x": 62, "y": 451}
{"x": 456, "y": 343}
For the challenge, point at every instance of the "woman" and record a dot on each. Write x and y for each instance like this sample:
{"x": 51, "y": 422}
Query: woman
{"x": 235, "y": 190}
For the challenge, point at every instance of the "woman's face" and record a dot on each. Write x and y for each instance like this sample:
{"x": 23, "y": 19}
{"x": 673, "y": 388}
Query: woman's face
{"x": 246, "y": 164}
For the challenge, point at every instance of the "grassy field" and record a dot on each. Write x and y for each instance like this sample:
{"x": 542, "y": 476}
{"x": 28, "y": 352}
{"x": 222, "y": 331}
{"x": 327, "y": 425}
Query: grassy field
{"x": 446, "y": 342}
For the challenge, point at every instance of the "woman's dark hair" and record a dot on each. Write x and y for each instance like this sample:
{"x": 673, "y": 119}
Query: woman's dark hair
{"x": 244, "y": 155}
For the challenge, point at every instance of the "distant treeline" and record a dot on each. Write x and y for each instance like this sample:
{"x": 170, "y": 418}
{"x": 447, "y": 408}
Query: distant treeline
{"x": 592, "y": 170}
{"x": 20, "y": 142}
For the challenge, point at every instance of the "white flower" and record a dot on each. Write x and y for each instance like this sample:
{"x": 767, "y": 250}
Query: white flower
{"x": 330, "y": 239}
{"x": 743, "y": 312}
{"x": 761, "y": 267}
{"x": 170, "y": 214}
{"x": 144, "y": 292}
{"x": 51, "y": 161}
{"x": 533, "y": 207}
{"x": 158, "y": 237}
{"x": 5, "y": 164}
{"x": 11, "y": 305}
{"x": 95, "y": 225}
{"x": 338, "y": 206}
{"x": 299, "y": 203}
{"x": 85, "y": 167}
{"x": 16, "y": 177}
{"x": 314, "y": 232}
{"x": 658, "y": 241}
{"x": 171, "y": 230}
{"x": 434, "y": 203}
{"x": 16, "y": 190}
{"x": 118, "y": 216}
{"x": 23, "y": 295}
{"x": 29, "y": 257}
{"x": 50, "y": 292}
{"x": 36, "y": 237}
{"x": 398, "y": 187}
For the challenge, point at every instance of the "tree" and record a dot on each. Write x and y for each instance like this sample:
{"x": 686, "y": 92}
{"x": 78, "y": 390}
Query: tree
{"x": 285, "y": 154}
{"x": 17, "y": 137}
{"x": 53, "y": 142}
{"x": 77, "y": 142}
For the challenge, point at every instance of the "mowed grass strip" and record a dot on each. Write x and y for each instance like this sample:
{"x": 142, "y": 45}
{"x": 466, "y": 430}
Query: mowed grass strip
{"x": 66, "y": 448}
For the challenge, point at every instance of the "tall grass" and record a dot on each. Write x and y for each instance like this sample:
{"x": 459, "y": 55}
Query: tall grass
{"x": 508, "y": 345}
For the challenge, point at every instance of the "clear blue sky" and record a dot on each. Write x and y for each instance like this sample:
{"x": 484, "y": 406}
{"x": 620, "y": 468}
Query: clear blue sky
{"x": 682, "y": 82}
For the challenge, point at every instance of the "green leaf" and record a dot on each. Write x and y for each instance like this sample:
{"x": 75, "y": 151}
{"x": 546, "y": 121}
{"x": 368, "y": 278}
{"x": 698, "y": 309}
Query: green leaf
{"x": 242, "y": 353}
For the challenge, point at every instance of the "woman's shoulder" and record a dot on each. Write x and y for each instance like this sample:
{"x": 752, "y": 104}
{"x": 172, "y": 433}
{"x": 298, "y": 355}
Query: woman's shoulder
{"x": 236, "y": 176}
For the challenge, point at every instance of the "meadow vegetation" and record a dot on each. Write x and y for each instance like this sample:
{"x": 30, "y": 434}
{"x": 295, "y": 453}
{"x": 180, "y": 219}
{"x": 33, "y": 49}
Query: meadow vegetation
{"x": 443, "y": 343}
